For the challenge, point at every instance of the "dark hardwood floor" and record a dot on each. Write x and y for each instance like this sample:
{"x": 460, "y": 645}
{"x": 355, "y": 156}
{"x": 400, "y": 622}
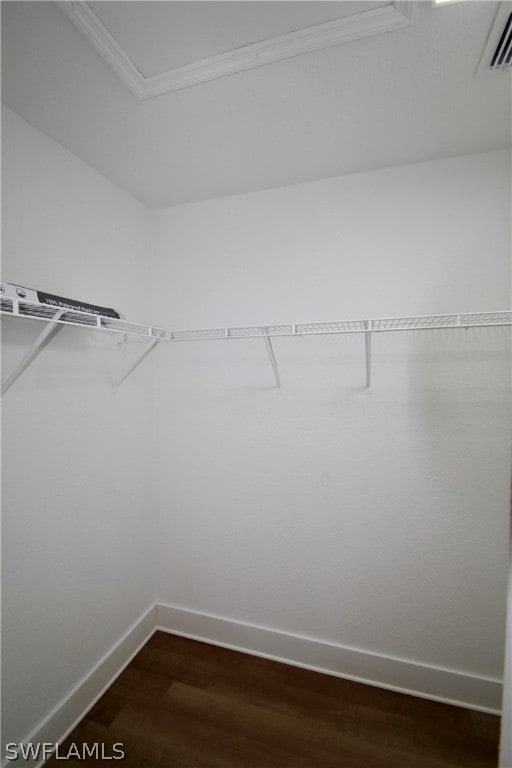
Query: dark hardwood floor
{"x": 185, "y": 704}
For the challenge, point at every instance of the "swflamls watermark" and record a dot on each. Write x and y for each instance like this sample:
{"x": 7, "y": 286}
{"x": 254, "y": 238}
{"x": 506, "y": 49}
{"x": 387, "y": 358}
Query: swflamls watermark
{"x": 43, "y": 750}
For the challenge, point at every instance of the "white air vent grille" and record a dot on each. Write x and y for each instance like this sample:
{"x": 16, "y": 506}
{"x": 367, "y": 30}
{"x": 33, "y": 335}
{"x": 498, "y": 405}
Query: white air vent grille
{"x": 503, "y": 54}
{"x": 497, "y": 55}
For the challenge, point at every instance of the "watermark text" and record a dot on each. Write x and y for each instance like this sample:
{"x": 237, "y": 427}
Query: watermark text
{"x": 43, "y": 750}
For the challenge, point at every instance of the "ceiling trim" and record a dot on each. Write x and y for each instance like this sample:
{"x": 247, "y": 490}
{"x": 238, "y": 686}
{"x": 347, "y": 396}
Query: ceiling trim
{"x": 384, "y": 19}
{"x": 96, "y": 32}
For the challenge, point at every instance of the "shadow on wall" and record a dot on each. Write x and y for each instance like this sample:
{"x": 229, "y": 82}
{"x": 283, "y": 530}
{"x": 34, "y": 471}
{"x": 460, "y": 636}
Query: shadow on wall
{"x": 460, "y": 411}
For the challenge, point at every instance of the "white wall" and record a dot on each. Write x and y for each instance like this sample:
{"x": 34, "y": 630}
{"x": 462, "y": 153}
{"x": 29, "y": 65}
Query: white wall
{"x": 376, "y": 522}
{"x": 373, "y": 521}
{"x": 506, "y": 719}
{"x": 76, "y": 512}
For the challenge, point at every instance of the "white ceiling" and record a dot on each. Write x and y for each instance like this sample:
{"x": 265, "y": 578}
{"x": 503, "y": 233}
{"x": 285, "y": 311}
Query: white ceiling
{"x": 398, "y": 97}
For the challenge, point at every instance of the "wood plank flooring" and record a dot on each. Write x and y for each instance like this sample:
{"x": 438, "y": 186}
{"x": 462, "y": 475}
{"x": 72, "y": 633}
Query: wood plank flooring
{"x": 185, "y": 704}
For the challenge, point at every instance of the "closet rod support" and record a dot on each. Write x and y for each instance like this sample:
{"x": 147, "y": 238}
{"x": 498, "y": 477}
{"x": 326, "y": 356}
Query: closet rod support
{"x": 272, "y": 357}
{"x": 150, "y": 347}
{"x": 51, "y": 329}
{"x": 368, "y": 356}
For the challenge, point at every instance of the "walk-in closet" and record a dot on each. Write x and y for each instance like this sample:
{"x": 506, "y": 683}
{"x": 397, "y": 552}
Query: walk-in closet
{"x": 256, "y": 383}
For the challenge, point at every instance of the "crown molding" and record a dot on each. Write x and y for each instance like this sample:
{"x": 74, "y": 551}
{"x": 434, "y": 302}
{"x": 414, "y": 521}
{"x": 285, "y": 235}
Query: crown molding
{"x": 96, "y": 32}
{"x": 390, "y": 17}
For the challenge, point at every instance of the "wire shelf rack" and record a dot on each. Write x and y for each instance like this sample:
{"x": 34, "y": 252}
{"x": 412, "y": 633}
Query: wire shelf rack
{"x": 57, "y": 318}
{"x": 35, "y": 311}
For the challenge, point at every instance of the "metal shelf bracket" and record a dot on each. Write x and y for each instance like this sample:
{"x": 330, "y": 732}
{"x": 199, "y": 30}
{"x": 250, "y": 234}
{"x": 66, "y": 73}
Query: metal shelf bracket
{"x": 368, "y": 356}
{"x": 40, "y": 343}
{"x": 273, "y": 361}
{"x": 150, "y": 347}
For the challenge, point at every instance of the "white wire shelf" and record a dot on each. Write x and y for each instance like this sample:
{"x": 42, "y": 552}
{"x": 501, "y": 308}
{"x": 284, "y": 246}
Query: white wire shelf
{"x": 154, "y": 335}
{"x": 35, "y": 311}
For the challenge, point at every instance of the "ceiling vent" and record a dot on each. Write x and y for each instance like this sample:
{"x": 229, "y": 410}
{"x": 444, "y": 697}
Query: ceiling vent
{"x": 497, "y": 55}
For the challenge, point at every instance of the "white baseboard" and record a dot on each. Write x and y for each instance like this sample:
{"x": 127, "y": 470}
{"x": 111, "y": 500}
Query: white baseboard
{"x": 63, "y": 718}
{"x": 444, "y": 685}
{"x": 448, "y": 686}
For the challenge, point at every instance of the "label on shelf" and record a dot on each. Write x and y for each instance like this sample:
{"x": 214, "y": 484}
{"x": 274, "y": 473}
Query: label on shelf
{"x": 40, "y": 297}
